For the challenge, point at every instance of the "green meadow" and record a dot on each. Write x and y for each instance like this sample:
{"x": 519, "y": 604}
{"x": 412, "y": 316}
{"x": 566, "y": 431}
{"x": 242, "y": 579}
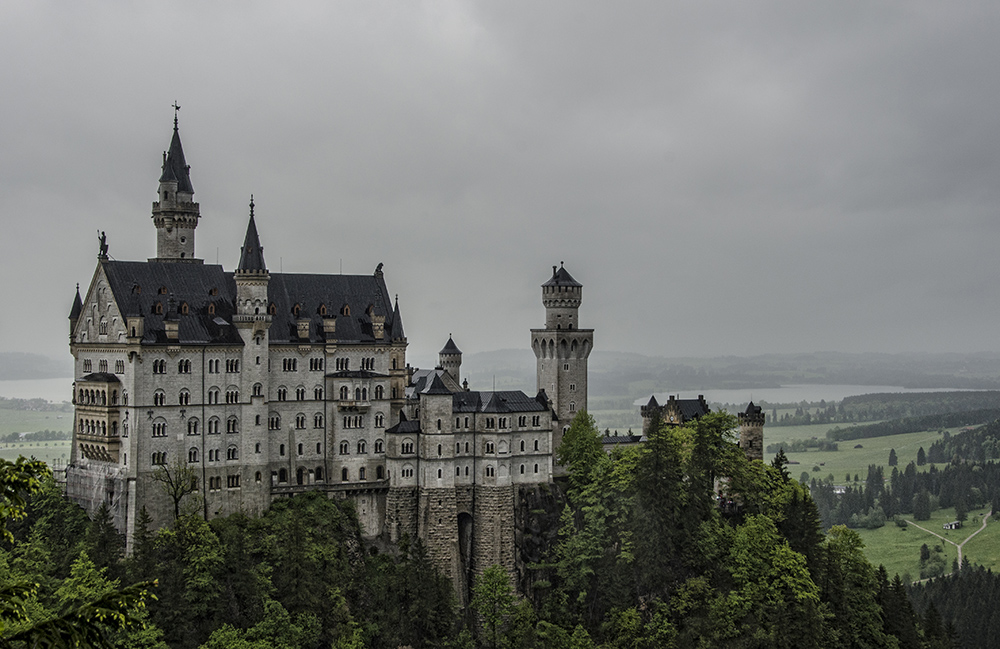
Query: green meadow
{"x": 31, "y": 421}
{"x": 898, "y": 548}
{"x": 52, "y": 452}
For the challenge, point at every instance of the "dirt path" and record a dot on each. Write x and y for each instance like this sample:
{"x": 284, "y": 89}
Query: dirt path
{"x": 957, "y": 545}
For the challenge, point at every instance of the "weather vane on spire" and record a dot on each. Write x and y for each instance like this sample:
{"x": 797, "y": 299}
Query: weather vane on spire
{"x": 251, "y": 205}
{"x": 177, "y": 107}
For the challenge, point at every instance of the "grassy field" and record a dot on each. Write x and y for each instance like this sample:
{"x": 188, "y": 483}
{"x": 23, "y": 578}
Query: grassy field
{"x": 54, "y": 452}
{"x": 30, "y": 421}
{"x": 898, "y": 548}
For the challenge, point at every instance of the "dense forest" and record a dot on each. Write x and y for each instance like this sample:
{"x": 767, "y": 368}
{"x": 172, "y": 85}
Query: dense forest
{"x": 647, "y": 554}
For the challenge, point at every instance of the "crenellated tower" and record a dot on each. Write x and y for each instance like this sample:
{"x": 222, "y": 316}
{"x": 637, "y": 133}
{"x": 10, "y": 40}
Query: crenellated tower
{"x": 752, "y": 432}
{"x": 175, "y": 214}
{"x": 562, "y": 350}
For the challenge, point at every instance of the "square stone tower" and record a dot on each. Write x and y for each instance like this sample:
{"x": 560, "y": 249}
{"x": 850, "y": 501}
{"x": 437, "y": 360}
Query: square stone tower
{"x": 562, "y": 349}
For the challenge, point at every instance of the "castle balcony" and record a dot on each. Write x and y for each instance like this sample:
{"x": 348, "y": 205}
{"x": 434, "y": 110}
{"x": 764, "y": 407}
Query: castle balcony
{"x": 251, "y": 317}
{"x": 289, "y": 489}
{"x": 354, "y": 406}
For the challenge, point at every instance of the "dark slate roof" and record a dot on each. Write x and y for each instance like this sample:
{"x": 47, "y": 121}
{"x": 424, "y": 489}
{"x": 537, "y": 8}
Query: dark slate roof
{"x": 74, "y": 313}
{"x": 335, "y": 292}
{"x": 174, "y": 167}
{"x": 421, "y": 379}
{"x": 101, "y": 377}
{"x": 450, "y": 347}
{"x": 692, "y": 408}
{"x": 252, "y": 253}
{"x": 136, "y": 286}
{"x": 436, "y": 387}
{"x": 561, "y": 277}
{"x": 652, "y": 402}
{"x": 752, "y": 409}
{"x": 505, "y": 401}
{"x": 405, "y": 427}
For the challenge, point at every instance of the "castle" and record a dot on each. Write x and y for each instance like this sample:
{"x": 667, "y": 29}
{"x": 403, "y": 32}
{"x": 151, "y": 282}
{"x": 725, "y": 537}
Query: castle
{"x": 254, "y": 385}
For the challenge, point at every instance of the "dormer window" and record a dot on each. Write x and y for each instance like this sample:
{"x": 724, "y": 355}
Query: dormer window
{"x": 322, "y": 309}
{"x": 345, "y": 310}
{"x": 163, "y": 290}
{"x": 211, "y": 309}
{"x": 295, "y": 310}
{"x": 213, "y": 291}
{"x": 272, "y": 310}
{"x": 184, "y": 308}
{"x": 158, "y": 308}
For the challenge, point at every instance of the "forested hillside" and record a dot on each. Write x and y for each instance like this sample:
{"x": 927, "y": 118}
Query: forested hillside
{"x": 646, "y": 556}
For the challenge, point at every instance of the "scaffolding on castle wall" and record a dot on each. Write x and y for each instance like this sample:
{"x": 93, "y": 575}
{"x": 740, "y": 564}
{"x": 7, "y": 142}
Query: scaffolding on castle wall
{"x": 91, "y": 483}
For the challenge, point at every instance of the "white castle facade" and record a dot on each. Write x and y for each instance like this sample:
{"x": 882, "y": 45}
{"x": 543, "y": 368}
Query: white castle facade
{"x": 258, "y": 385}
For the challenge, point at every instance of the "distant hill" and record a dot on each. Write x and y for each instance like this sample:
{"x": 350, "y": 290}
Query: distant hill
{"x": 627, "y": 374}
{"x": 18, "y": 366}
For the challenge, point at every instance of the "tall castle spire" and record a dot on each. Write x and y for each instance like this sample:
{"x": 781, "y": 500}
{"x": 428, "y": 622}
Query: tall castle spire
{"x": 252, "y": 253}
{"x": 175, "y": 214}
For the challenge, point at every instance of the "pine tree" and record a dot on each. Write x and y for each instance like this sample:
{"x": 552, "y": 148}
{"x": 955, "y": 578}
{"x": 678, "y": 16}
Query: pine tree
{"x": 893, "y": 460}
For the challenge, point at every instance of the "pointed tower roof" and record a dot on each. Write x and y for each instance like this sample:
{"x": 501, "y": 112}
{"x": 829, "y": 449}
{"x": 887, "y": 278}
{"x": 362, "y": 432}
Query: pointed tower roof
{"x": 436, "y": 386}
{"x": 252, "y": 255}
{"x": 450, "y": 347}
{"x": 397, "y": 321}
{"x": 174, "y": 167}
{"x": 77, "y": 309}
{"x": 561, "y": 277}
{"x": 652, "y": 403}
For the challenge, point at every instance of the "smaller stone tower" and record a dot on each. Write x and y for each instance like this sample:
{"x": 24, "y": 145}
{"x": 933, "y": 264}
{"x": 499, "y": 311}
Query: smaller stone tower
{"x": 752, "y": 432}
{"x": 175, "y": 214}
{"x": 450, "y": 360}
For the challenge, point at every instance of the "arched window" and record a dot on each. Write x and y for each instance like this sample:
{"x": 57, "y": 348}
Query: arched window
{"x": 300, "y": 394}
{"x": 440, "y": 475}
{"x": 192, "y": 426}
{"x": 258, "y": 390}
{"x": 379, "y": 421}
{"x": 379, "y": 392}
{"x": 282, "y": 475}
{"x": 380, "y": 473}
{"x": 378, "y": 446}
{"x": 213, "y": 426}
{"x": 184, "y": 398}
{"x": 361, "y": 474}
{"x": 343, "y": 474}
{"x": 522, "y": 447}
{"x": 281, "y": 450}
{"x": 343, "y": 392}
{"x": 159, "y": 398}
{"x": 344, "y": 448}
{"x": 192, "y": 455}
{"x": 300, "y": 421}
{"x": 522, "y": 469}
{"x": 357, "y": 394}
{"x": 319, "y": 473}
{"x": 362, "y": 447}
{"x": 232, "y": 453}
{"x": 232, "y": 425}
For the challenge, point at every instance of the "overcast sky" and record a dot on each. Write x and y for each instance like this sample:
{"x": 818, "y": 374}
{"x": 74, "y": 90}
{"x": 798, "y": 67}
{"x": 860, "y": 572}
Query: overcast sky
{"x": 723, "y": 178}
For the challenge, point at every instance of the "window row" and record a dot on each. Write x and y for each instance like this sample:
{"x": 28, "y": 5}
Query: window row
{"x": 274, "y": 421}
{"x": 232, "y": 453}
{"x": 102, "y": 366}
{"x": 379, "y": 447}
{"x": 92, "y": 427}
{"x": 361, "y": 394}
{"x": 97, "y": 397}
{"x": 300, "y": 449}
